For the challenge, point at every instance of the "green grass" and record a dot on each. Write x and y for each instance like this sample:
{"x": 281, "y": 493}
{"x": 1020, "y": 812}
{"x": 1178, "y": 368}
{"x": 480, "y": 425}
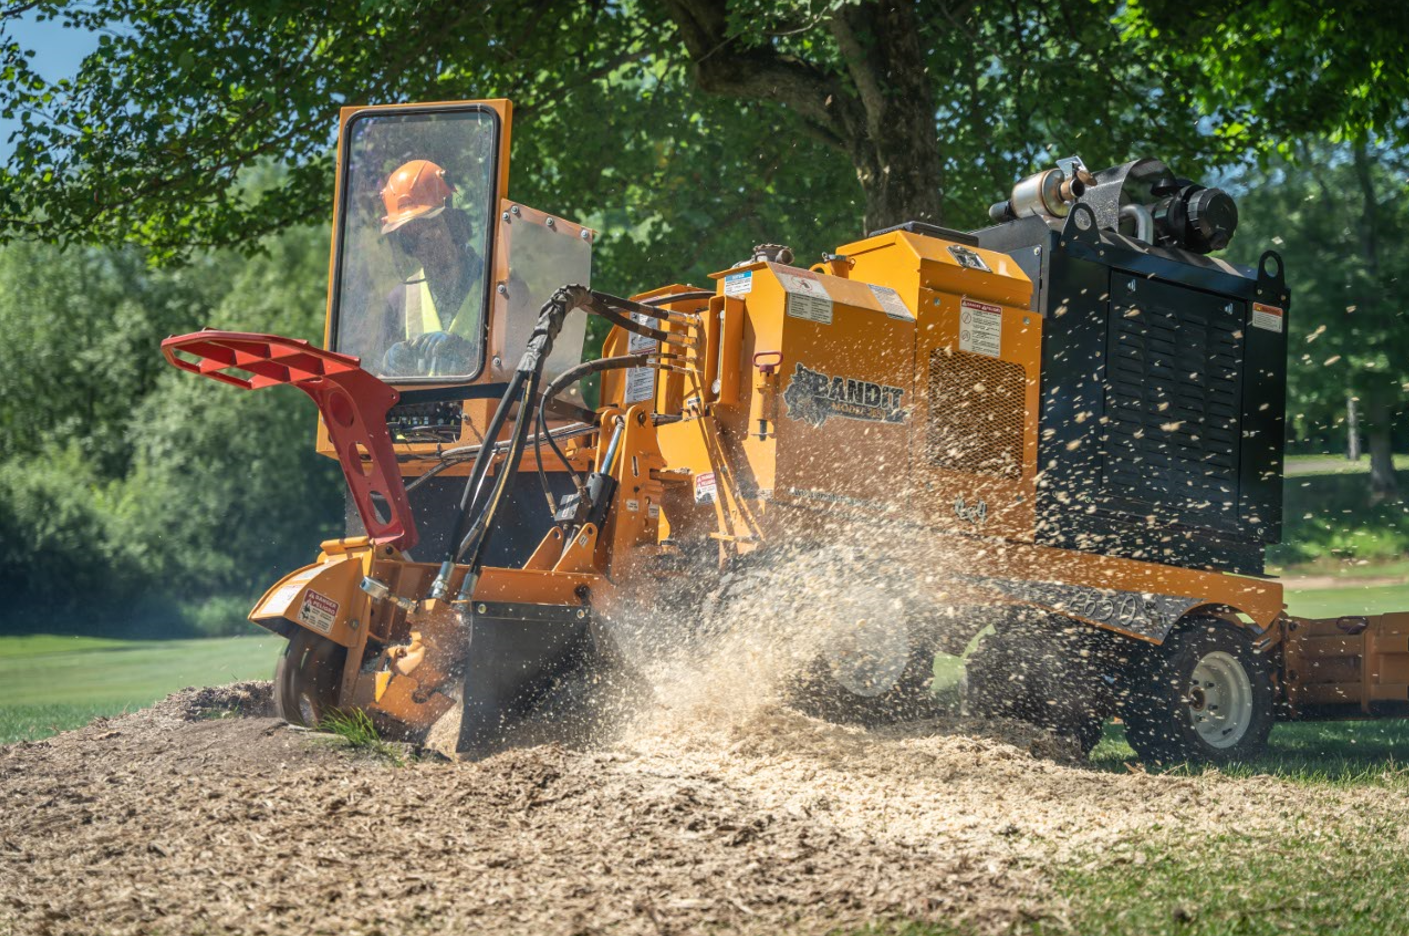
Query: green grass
{"x": 1314, "y": 753}
{"x": 1330, "y": 516}
{"x": 50, "y": 683}
{"x": 1328, "y": 881}
{"x": 1334, "y": 602}
{"x": 1301, "y": 466}
{"x": 357, "y": 730}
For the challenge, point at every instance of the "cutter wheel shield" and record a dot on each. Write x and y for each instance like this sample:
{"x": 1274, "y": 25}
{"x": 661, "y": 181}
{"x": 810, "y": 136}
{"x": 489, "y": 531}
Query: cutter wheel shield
{"x": 306, "y": 678}
{"x": 1203, "y": 696}
{"x": 515, "y": 656}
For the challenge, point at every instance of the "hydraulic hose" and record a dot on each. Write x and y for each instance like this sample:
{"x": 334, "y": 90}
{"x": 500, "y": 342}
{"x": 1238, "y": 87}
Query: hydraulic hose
{"x": 560, "y": 383}
{"x": 475, "y": 536}
{"x": 458, "y": 456}
{"x": 530, "y": 368}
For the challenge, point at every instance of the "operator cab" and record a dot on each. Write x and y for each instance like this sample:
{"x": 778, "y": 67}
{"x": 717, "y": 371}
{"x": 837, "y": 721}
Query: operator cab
{"x": 436, "y": 277}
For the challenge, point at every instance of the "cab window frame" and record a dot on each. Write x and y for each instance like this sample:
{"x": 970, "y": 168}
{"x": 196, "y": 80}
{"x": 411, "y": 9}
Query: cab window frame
{"x": 489, "y": 220}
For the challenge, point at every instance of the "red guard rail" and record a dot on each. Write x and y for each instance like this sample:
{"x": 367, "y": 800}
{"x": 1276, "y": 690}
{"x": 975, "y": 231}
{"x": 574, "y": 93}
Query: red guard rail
{"x": 354, "y": 405}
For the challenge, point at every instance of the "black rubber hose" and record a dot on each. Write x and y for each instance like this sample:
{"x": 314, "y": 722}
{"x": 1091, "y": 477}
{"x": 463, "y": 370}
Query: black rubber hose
{"x": 598, "y": 307}
{"x": 678, "y": 297}
{"x": 540, "y": 342}
{"x": 473, "y": 533}
{"x": 479, "y": 530}
{"x": 481, "y": 466}
{"x": 559, "y": 384}
{"x": 458, "y": 456}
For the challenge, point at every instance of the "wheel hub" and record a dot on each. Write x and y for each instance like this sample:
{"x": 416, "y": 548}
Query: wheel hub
{"x": 1220, "y": 699}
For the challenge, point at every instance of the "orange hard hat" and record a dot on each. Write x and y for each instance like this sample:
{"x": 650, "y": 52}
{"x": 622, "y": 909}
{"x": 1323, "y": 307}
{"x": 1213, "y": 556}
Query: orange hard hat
{"x": 416, "y": 190}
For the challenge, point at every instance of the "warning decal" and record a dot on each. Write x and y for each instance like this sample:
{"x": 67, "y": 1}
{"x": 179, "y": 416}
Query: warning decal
{"x": 891, "y": 303}
{"x": 807, "y": 297}
{"x": 1267, "y": 317}
{"x": 318, "y": 612}
{"x": 738, "y": 284}
{"x": 640, "y": 381}
{"x": 278, "y": 603}
{"x": 705, "y": 488}
{"x": 980, "y": 327}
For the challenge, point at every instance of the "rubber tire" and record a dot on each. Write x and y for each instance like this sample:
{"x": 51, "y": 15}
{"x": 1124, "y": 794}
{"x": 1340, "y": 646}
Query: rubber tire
{"x": 307, "y": 678}
{"x": 995, "y": 687}
{"x": 819, "y": 694}
{"x": 1158, "y": 724}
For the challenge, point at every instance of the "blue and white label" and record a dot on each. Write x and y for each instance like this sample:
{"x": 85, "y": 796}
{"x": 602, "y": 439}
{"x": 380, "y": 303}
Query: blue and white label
{"x": 738, "y": 284}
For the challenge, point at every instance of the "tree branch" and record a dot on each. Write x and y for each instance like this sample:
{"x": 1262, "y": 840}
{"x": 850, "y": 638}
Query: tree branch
{"x": 762, "y": 72}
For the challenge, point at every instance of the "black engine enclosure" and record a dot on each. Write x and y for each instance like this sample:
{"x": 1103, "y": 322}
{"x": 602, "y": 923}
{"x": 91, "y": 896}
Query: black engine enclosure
{"x": 1163, "y": 405}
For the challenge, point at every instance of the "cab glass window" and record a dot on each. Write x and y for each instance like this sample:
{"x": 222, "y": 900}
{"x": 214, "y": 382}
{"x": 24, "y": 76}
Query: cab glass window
{"x": 412, "y": 277}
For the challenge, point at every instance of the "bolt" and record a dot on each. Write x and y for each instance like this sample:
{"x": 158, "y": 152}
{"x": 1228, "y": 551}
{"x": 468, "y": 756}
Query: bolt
{"x": 551, "y": 223}
{"x": 586, "y": 235}
{"x": 481, "y": 608}
{"x": 581, "y": 615}
{"x": 1130, "y": 285}
{"x": 1037, "y": 251}
{"x": 503, "y": 290}
{"x": 504, "y": 217}
{"x": 515, "y": 210}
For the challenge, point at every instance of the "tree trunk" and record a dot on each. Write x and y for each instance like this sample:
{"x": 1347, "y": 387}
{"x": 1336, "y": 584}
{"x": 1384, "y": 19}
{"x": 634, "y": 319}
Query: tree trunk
{"x": 897, "y": 155}
{"x": 1352, "y": 429}
{"x": 880, "y": 113}
{"x": 1383, "y": 482}
{"x": 1379, "y": 411}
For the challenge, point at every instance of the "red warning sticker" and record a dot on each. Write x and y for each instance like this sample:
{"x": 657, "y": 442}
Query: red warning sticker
{"x": 705, "y": 487}
{"x": 318, "y": 612}
{"x": 1267, "y": 317}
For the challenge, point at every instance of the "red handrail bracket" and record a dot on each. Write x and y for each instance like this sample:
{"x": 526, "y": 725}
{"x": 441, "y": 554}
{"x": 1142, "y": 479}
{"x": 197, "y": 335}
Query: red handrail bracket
{"x": 354, "y": 405}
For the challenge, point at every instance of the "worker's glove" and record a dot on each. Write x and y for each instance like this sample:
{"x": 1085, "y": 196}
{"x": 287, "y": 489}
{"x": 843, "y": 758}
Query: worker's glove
{"x": 444, "y": 353}
{"x": 425, "y": 345}
{"x": 433, "y": 353}
{"x": 400, "y": 360}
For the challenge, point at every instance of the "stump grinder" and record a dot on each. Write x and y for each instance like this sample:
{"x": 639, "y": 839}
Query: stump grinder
{"x": 1078, "y": 408}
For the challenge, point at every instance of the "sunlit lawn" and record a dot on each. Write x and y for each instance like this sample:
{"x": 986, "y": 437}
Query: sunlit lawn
{"x": 1304, "y": 465}
{"x": 50, "y": 683}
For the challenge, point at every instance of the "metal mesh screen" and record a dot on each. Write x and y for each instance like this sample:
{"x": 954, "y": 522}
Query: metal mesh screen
{"x": 975, "y": 420}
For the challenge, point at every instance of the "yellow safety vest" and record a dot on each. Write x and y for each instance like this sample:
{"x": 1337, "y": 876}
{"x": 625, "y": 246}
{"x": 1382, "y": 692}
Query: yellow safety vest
{"x": 422, "y": 317}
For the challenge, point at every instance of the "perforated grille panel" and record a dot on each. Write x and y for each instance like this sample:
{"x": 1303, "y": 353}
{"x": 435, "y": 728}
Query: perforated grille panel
{"x": 1173, "y": 397}
{"x": 976, "y": 406}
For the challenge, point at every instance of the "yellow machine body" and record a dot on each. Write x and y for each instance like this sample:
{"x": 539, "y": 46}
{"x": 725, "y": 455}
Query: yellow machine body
{"x": 893, "y": 391}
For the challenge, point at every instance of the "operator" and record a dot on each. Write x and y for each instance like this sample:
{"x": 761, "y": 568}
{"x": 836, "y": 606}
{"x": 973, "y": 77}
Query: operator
{"x": 438, "y": 306}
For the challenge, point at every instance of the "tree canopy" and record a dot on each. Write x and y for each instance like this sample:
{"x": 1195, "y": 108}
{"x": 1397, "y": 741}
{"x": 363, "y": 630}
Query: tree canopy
{"x": 685, "y": 130}
{"x": 673, "y": 123}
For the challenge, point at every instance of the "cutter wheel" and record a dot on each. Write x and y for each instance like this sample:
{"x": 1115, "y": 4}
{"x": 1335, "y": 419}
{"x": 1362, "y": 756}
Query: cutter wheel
{"x": 306, "y": 679}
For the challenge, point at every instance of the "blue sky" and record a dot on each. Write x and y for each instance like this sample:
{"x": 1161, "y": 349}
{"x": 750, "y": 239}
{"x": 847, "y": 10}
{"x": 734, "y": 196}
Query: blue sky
{"x": 57, "y": 54}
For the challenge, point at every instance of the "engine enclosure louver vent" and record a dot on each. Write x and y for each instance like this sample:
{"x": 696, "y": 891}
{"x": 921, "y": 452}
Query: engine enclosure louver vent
{"x": 1173, "y": 399}
{"x": 1162, "y": 414}
{"x": 975, "y": 421}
